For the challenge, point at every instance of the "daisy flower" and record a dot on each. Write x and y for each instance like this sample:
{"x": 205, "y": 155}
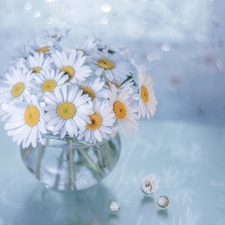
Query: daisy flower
{"x": 89, "y": 47}
{"x": 110, "y": 48}
{"x": 149, "y": 184}
{"x": 147, "y": 100}
{"x": 101, "y": 122}
{"x": 47, "y": 81}
{"x": 120, "y": 84}
{"x": 25, "y": 123}
{"x": 36, "y": 62}
{"x": 125, "y": 116}
{"x": 67, "y": 110}
{"x": 72, "y": 64}
{"x": 111, "y": 66}
{"x": 18, "y": 85}
{"x": 113, "y": 82}
{"x": 43, "y": 45}
{"x": 56, "y": 33}
{"x": 93, "y": 86}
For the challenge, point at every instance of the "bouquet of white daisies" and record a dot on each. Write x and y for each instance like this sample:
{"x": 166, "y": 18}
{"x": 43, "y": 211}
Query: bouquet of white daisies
{"x": 87, "y": 92}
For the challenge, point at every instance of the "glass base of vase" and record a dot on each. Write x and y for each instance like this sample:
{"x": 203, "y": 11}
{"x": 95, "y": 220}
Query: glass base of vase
{"x": 70, "y": 164}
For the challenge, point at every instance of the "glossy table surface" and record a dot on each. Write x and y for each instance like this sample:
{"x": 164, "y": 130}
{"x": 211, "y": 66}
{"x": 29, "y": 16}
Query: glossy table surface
{"x": 188, "y": 157}
{"x": 181, "y": 44}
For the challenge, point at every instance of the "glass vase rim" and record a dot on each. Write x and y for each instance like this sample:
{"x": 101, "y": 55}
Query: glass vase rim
{"x": 75, "y": 139}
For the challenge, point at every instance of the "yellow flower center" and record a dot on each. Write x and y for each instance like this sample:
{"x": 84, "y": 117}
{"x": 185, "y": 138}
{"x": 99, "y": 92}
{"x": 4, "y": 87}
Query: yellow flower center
{"x": 96, "y": 121}
{"x": 105, "y": 64}
{"x": 48, "y": 86}
{"x": 79, "y": 49}
{"x": 66, "y": 110}
{"x": 68, "y": 70}
{"x": 117, "y": 85}
{"x": 148, "y": 184}
{"x": 31, "y": 115}
{"x": 17, "y": 89}
{"x": 144, "y": 94}
{"x": 36, "y": 69}
{"x": 44, "y": 49}
{"x": 89, "y": 91}
{"x": 120, "y": 110}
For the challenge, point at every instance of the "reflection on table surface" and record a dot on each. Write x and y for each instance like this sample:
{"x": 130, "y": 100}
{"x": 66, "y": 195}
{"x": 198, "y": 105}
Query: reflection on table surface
{"x": 188, "y": 157}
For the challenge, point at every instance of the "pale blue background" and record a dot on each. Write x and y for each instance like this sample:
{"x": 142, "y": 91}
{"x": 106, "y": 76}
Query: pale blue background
{"x": 181, "y": 44}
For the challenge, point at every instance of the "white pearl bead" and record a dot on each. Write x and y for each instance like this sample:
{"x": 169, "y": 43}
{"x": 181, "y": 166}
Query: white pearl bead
{"x": 163, "y": 201}
{"x": 114, "y": 206}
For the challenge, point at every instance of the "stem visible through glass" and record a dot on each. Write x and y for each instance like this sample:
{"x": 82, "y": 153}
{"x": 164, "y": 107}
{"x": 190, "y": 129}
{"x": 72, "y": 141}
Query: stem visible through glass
{"x": 39, "y": 158}
{"x": 95, "y": 167}
{"x": 71, "y": 167}
{"x": 60, "y": 166}
{"x": 102, "y": 153}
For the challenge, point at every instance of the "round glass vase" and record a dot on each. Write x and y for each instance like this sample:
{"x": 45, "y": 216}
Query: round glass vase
{"x": 71, "y": 164}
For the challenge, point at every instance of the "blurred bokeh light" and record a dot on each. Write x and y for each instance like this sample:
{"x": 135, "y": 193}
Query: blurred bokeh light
{"x": 180, "y": 43}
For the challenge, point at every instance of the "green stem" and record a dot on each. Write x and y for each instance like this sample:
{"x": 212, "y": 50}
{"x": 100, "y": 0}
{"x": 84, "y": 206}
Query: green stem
{"x": 102, "y": 153}
{"x": 59, "y": 168}
{"x": 71, "y": 167}
{"x": 68, "y": 175}
{"x": 110, "y": 149}
{"x": 128, "y": 78}
{"x": 26, "y": 152}
{"x": 39, "y": 158}
{"x": 95, "y": 167}
{"x": 38, "y": 164}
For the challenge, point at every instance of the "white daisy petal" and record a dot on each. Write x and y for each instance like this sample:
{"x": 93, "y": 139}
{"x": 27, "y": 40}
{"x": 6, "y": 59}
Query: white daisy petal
{"x": 46, "y": 82}
{"x": 149, "y": 184}
{"x": 147, "y": 100}
{"x": 15, "y": 124}
{"x": 36, "y": 63}
{"x": 55, "y": 33}
{"x": 67, "y": 117}
{"x": 63, "y": 132}
{"x": 53, "y": 121}
{"x": 50, "y": 107}
{"x": 57, "y": 126}
{"x": 18, "y": 86}
{"x": 69, "y": 128}
{"x": 26, "y": 131}
{"x": 94, "y": 88}
{"x": 90, "y": 92}
{"x": 112, "y": 66}
{"x": 71, "y": 64}
{"x": 124, "y": 113}
{"x": 99, "y": 71}
{"x": 20, "y": 134}
{"x": 95, "y": 130}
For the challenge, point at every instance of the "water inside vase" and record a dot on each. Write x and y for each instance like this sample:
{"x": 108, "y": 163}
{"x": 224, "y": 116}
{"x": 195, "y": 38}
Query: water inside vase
{"x": 69, "y": 164}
